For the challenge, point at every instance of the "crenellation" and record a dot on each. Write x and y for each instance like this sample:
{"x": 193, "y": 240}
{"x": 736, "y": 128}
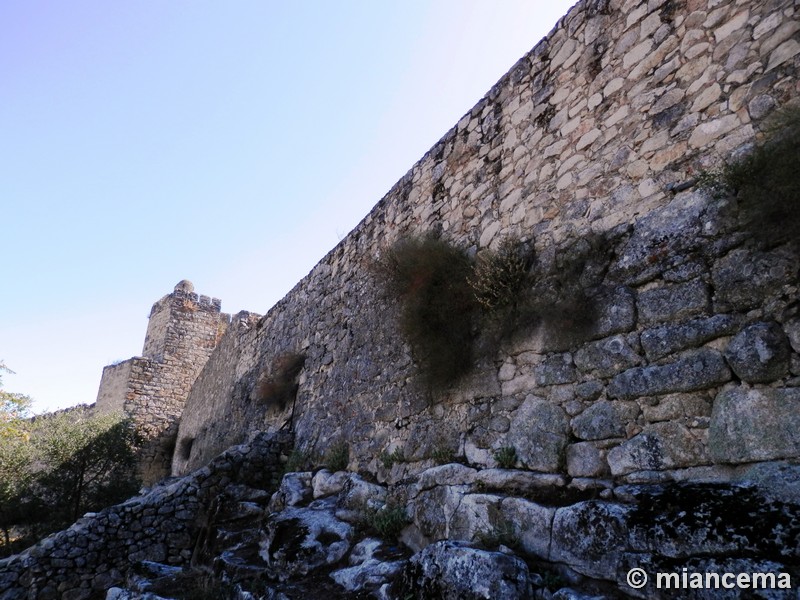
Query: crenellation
{"x": 183, "y": 330}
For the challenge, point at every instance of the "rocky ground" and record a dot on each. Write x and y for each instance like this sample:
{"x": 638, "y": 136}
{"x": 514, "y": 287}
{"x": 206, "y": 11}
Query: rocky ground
{"x": 336, "y": 535}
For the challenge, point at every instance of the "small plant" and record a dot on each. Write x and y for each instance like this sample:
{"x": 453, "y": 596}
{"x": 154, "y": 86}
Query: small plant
{"x": 338, "y": 456}
{"x": 277, "y": 385}
{"x": 387, "y": 522}
{"x": 499, "y": 278}
{"x": 505, "y": 534}
{"x": 551, "y": 580}
{"x": 442, "y": 455}
{"x": 388, "y": 459}
{"x": 766, "y": 181}
{"x": 429, "y": 275}
{"x": 297, "y": 461}
{"x": 506, "y": 457}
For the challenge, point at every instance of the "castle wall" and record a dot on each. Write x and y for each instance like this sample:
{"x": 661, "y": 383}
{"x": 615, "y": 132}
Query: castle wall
{"x": 600, "y": 127}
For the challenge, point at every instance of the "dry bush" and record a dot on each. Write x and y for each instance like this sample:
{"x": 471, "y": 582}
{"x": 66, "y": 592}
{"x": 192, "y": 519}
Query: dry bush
{"x": 277, "y": 385}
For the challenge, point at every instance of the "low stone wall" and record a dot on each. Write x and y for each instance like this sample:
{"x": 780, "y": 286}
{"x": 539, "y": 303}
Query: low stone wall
{"x": 161, "y": 525}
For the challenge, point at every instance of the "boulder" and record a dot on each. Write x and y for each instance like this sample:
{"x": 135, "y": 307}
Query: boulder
{"x": 659, "y": 446}
{"x": 539, "y": 433}
{"x": 299, "y": 540}
{"x": 457, "y": 571}
{"x": 695, "y": 370}
{"x": 664, "y": 340}
{"x": 603, "y": 420}
{"x": 294, "y": 489}
{"x": 749, "y": 425}
{"x": 607, "y": 357}
{"x": 759, "y": 353}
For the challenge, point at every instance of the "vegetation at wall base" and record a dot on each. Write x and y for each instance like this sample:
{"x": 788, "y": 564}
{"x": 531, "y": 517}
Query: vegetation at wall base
{"x": 387, "y": 522}
{"x": 337, "y": 457}
{"x": 766, "y": 181}
{"x": 506, "y": 457}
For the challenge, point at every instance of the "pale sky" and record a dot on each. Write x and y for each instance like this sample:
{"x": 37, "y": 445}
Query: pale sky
{"x": 229, "y": 143}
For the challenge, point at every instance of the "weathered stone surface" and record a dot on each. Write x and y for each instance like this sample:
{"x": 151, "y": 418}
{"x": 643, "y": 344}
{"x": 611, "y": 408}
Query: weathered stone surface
{"x": 433, "y": 509}
{"x": 673, "y": 302}
{"x": 585, "y": 459}
{"x": 555, "y": 369}
{"x": 660, "y": 446}
{"x": 367, "y": 571}
{"x": 326, "y": 483}
{"x": 360, "y": 496}
{"x": 299, "y": 540}
{"x": 514, "y": 481}
{"x": 475, "y": 516}
{"x": 455, "y": 571}
{"x": 295, "y": 489}
{"x": 744, "y": 277}
{"x": 531, "y": 524}
{"x": 759, "y": 353}
{"x": 590, "y": 537}
{"x": 449, "y": 474}
{"x": 661, "y": 239}
{"x": 792, "y": 328}
{"x": 615, "y": 312}
{"x": 538, "y": 433}
{"x": 604, "y": 420}
{"x": 749, "y": 425}
{"x": 695, "y": 370}
{"x": 678, "y": 407}
{"x": 607, "y": 357}
{"x": 662, "y": 341}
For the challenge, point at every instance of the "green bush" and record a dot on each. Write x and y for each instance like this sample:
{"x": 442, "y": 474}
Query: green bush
{"x": 387, "y": 522}
{"x": 388, "y": 459}
{"x": 430, "y": 276}
{"x": 766, "y": 181}
{"x": 506, "y": 457}
{"x": 505, "y": 534}
{"x": 337, "y": 457}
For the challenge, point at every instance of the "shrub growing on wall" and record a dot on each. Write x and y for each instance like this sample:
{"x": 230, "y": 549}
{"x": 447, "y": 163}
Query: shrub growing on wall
{"x": 766, "y": 181}
{"x": 430, "y": 276}
{"x": 277, "y": 384}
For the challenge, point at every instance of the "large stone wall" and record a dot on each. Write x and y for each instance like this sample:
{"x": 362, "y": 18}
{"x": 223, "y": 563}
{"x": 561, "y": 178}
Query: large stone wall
{"x": 183, "y": 330}
{"x": 604, "y": 124}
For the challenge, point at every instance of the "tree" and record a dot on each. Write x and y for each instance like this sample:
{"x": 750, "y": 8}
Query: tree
{"x": 14, "y": 408}
{"x": 15, "y": 458}
{"x": 88, "y": 461}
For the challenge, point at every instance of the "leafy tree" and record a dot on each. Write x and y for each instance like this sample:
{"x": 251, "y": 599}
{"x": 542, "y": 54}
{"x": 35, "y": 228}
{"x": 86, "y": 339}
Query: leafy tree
{"x": 14, "y": 408}
{"x": 15, "y": 458}
{"x": 88, "y": 462}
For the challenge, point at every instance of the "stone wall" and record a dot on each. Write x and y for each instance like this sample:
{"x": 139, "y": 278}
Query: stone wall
{"x": 596, "y": 134}
{"x": 162, "y": 525}
{"x": 182, "y": 332}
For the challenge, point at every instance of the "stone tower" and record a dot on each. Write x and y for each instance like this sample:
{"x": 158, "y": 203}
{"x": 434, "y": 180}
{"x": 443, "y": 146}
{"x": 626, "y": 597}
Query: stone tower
{"x": 182, "y": 332}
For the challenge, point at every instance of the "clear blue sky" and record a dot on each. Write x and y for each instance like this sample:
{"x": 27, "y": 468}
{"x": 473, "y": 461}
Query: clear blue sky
{"x": 229, "y": 143}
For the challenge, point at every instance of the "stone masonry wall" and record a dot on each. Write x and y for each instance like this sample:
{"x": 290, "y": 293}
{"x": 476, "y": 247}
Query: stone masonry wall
{"x": 603, "y": 125}
{"x": 161, "y": 525}
{"x": 183, "y": 330}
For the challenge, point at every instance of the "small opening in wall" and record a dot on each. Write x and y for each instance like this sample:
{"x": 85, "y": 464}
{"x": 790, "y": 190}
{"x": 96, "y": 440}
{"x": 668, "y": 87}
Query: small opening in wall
{"x": 186, "y": 448}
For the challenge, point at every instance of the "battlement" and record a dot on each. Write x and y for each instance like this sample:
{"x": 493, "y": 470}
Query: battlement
{"x": 183, "y": 330}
